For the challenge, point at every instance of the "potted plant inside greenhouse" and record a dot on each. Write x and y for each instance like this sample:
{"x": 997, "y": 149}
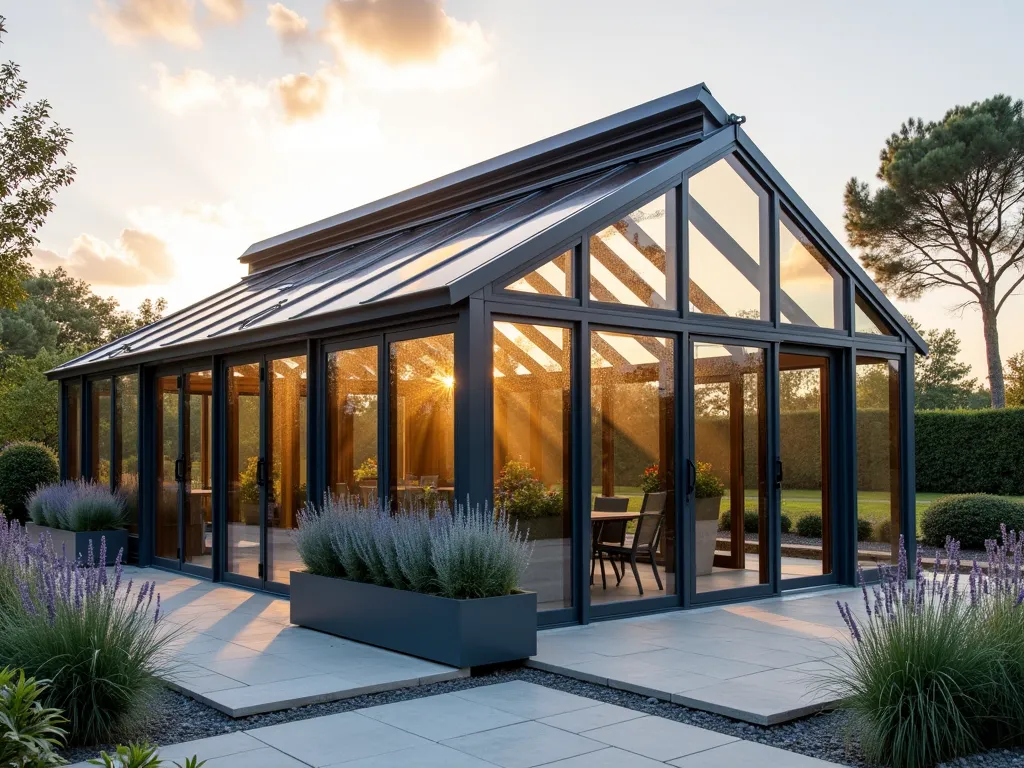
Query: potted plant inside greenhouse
{"x": 528, "y": 502}
{"x": 708, "y": 492}
{"x": 442, "y": 585}
{"x": 78, "y": 515}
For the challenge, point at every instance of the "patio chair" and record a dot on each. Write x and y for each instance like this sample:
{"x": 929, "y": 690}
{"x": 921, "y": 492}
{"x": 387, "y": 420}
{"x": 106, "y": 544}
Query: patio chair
{"x": 654, "y": 502}
{"x": 644, "y": 544}
{"x": 428, "y": 481}
{"x": 608, "y": 532}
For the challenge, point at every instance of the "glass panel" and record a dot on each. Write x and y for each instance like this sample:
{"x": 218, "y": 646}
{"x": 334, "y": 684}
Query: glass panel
{"x": 199, "y": 470}
{"x": 286, "y": 458}
{"x": 73, "y": 436}
{"x": 812, "y": 289}
{"x": 126, "y": 469}
{"x": 168, "y": 453}
{"x": 352, "y": 423}
{"x": 632, "y": 417}
{"x": 730, "y": 448}
{"x": 552, "y": 278}
{"x": 531, "y": 450}
{"x": 633, "y": 260}
{"x": 878, "y": 460}
{"x": 804, "y": 443}
{"x": 243, "y": 453}
{"x": 728, "y": 242}
{"x": 866, "y": 320}
{"x": 422, "y": 420}
{"x": 99, "y": 431}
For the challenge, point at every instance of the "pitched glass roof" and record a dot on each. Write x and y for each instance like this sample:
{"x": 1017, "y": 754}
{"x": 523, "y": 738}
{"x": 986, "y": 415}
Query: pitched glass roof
{"x": 420, "y": 260}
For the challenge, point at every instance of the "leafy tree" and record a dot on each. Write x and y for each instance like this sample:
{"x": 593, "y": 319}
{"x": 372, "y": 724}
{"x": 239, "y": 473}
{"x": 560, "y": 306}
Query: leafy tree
{"x": 940, "y": 379}
{"x": 28, "y": 402}
{"x": 950, "y": 213}
{"x": 60, "y": 312}
{"x": 32, "y": 148}
{"x": 1015, "y": 380}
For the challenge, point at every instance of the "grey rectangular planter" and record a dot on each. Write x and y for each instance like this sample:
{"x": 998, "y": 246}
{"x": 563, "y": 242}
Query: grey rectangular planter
{"x": 460, "y": 633}
{"x": 77, "y": 542}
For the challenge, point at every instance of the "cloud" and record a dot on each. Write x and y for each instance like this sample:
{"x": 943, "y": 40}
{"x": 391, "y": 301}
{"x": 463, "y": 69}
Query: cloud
{"x": 291, "y": 28}
{"x": 800, "y": 263}
{"x": 138, "y": 258}
{"x": 173, "y": 21}
{"x": 170, "y": 20}
{"x": 193, "y": 88}
{"x": 302, "y": 96}
{"x": 227, "y": 11}
{"x": 405, "y": 43}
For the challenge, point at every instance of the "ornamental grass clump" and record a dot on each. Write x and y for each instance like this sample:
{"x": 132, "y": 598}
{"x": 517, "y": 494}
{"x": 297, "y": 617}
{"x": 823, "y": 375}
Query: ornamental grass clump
{"x": 463, "y": 553}
{"x": 77, "y": 505}
{"x": 97, "y": 640}
{"x": 936, "y": 667}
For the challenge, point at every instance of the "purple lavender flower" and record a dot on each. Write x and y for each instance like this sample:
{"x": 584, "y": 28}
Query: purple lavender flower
{"x": 156, "y": 614}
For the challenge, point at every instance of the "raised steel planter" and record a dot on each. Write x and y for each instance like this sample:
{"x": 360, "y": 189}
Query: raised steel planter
{"x": 77, "y": 542}
{"x": 460, "y": 633}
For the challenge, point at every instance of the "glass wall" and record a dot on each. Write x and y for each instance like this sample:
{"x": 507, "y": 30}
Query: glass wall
{"x": 422, "y": 421}
{"x": 878, "y": 459}
{"x": 286, "y": 459}
{"x": 633, "y": 261}
{"x": 352, "y": 382}
{"x": 168, "y": 468}
{"x": 532, "y": 456}
{"x": 866, "y": 320}
{"x": 126, "y": 437}
{"x": 243, "y": 454}
{"x": 100, "y": 427}
{"x": 729, "y": 474}
{"x": 73, "y": 427}
{"x": 198, "y": 469}
{"x": 632, "y": 418}
{"x": 553, "y": 278}
{"x": 805, "y": 444}
{"x": 812, "y": 289}
{"x": 729, "y": 246}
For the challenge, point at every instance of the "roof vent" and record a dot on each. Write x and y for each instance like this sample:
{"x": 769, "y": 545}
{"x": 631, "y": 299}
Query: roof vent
{"x": 265, "y": 311}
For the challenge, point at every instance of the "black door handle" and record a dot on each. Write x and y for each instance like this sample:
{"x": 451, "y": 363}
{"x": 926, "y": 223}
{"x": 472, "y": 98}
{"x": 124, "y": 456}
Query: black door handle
{"x": 179, "y": 469}
{"x": 691, "y": 478}
{"x": 778, "y": 473}
{"x": 261, "y": 472}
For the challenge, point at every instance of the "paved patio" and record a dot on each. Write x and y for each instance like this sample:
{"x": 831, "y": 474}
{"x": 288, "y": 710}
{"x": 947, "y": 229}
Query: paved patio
{"x": 757, "y": 661}
{"x": 513, "y": 725}
{"x": 237, "y": 652}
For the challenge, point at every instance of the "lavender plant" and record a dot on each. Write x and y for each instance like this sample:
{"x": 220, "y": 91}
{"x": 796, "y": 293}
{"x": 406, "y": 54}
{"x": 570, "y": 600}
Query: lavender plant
{"x": 98, "y": 640}
{"x": 935, "y": 669}
{"x": 464, "y": 553}
{"x": 77, "y": 505}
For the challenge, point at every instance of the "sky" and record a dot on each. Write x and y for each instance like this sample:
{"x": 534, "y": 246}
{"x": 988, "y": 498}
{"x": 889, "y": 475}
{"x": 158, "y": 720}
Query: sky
{"x": 202, "y": 126}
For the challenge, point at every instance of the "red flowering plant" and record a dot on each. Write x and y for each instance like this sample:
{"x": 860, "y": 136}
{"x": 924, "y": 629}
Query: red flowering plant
{"x": 650, "y": 479}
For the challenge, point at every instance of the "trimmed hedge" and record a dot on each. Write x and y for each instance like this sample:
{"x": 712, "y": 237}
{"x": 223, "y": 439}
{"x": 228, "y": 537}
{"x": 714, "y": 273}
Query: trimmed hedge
{"x": 970, "y": 451}
{"x": 970, "y": 519}
{"x": 23, "y": 467}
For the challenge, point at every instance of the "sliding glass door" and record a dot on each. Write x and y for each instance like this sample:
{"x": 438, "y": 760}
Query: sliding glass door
{"x": 726, "y": 480}
{"x": 183, "y": 530}
{"x": 266, "y": 468}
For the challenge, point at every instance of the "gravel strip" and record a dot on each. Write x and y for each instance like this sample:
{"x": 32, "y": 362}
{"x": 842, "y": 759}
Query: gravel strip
{"x": 177, "y": 718}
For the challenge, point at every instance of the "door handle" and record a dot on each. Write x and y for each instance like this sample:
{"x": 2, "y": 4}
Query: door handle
{"x": 261, "y": 472}
{"x": 179, "y": 469}
{"x": 691, "y": 478}
{"x": 778, "y": 473}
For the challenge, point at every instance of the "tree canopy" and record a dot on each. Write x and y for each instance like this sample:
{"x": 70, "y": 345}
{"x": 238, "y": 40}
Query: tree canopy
{"x": 1015, "y": 380}
{"x": 941, "y": 381}
{"x": 32, "y": 169}
{"x": 950, "y": 212}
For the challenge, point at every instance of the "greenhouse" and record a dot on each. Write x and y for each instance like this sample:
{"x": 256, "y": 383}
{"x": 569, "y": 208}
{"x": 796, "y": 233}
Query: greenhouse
{"x": 634, "y": 337}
